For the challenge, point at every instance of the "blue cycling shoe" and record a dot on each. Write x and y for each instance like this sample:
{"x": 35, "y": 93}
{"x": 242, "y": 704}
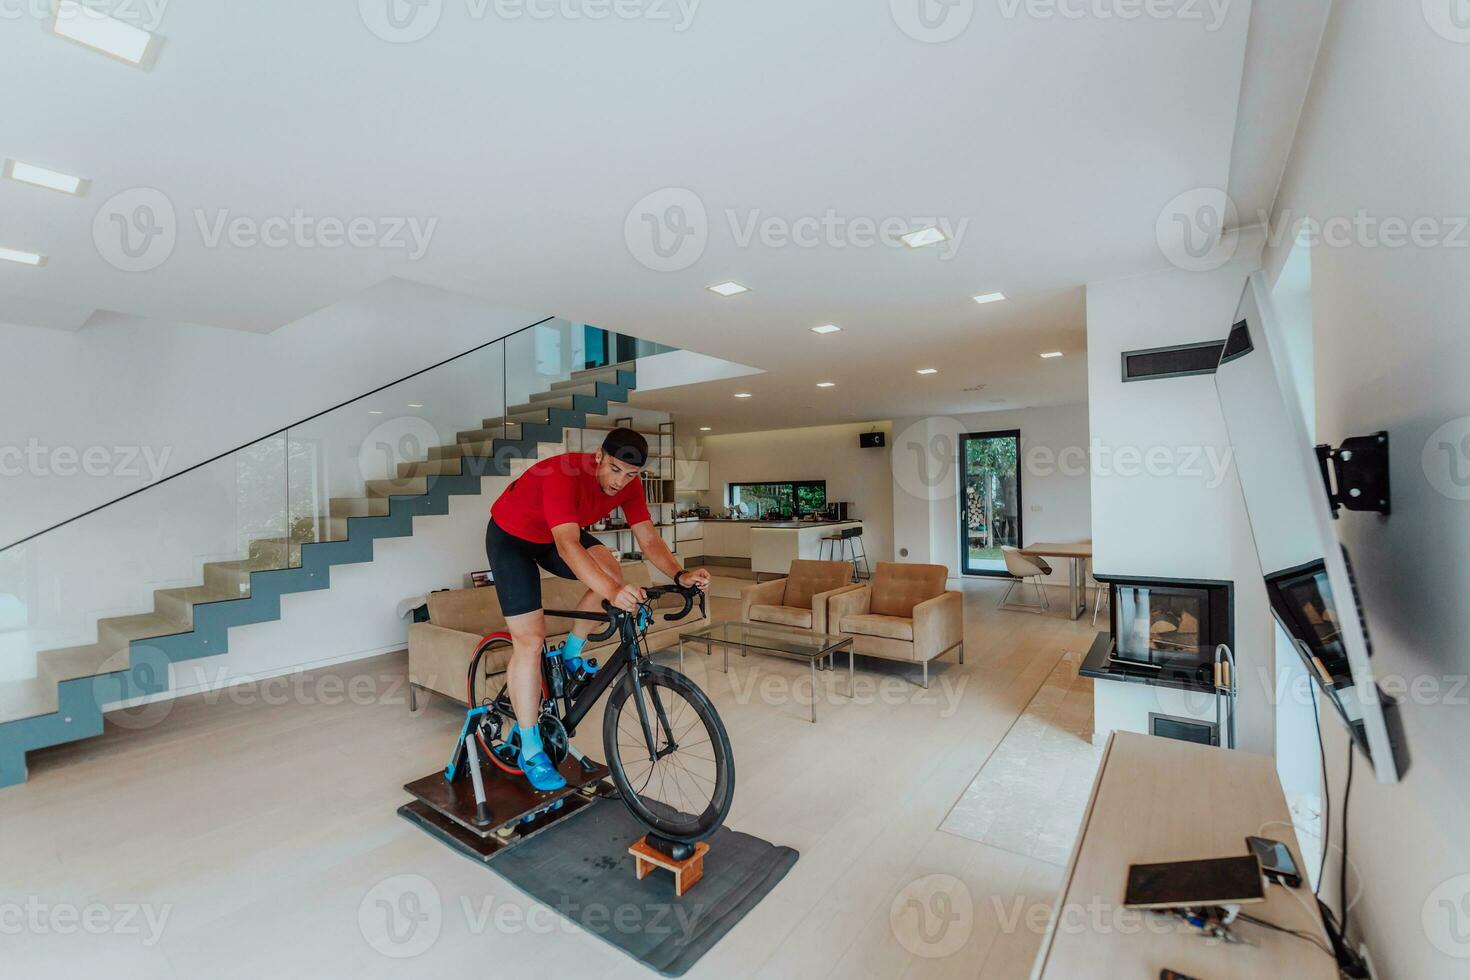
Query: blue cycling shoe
{"x": 541, "y": 773}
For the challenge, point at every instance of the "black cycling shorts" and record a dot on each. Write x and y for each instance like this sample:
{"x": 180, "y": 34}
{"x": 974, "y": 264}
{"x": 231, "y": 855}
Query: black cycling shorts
{"x": 516, "y": 564}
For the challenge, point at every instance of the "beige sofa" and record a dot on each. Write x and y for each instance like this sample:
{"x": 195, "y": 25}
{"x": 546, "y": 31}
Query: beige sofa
{"x": 439, "y": 651}
{"x": 800, "y": 599}
{"x": 903, "y": 614}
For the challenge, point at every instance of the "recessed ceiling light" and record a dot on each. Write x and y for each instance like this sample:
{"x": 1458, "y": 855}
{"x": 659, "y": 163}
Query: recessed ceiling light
{"x": 704, "y": 428}
{"x": 77, "y": 21}
{"x": 989, "y": 298}
{"x": 927, "y": 371}
{"x": 731, "y": 288}
{"x": 1052, "y": 353}
{"x": 742, "y": 394}
{"x": 374, "y": 411}
{"x": 24, "y": 258}
{"x": 827, "y": 328}
{"x": 923, "y": 237}
{"x": 826, "y": 384}
{"x": 41, "y": 177}
{"x": 414, "y": 405}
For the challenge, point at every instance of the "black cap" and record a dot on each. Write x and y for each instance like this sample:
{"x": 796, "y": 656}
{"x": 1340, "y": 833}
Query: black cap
{"x": 626, "y": 446}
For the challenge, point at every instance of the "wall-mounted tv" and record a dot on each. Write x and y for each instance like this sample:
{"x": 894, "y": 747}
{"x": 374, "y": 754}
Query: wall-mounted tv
{"x": 1307, "y": 571}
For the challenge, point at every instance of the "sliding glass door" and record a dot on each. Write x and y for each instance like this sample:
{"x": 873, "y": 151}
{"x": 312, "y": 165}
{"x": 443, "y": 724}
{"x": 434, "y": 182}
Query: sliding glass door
{"x": 990, "y": 499}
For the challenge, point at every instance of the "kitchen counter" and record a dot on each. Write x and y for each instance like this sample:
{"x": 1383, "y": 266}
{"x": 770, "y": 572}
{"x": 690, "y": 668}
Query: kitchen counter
{"x": 757, "y": 523}
{"x": 774, "y": 545}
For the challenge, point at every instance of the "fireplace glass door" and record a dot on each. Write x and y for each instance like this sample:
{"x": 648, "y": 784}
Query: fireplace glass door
{"x": 1154, "y": 625}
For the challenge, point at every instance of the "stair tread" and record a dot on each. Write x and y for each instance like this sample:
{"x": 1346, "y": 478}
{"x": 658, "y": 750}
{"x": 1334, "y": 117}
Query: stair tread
{"x": 260, "y": 563}
{"x": 27, "y": 698}
{"x": 198, "y": 595}
{"x": 70, "y": 663}
{"x": 144, "y": 626}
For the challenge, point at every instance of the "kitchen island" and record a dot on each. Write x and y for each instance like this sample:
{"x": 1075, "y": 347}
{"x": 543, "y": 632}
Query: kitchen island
{"x": 775, "y": 544}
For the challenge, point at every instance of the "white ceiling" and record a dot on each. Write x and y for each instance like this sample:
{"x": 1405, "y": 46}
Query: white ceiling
{"x": 1053, "y": 142}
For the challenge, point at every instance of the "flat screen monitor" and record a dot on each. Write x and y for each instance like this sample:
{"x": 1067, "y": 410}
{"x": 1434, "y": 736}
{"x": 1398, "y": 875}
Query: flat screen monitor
{"x": 1308, "y": 574}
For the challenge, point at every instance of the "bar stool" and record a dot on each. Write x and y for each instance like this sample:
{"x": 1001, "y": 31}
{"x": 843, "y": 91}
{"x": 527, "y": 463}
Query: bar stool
{"x": 847, "y": 545}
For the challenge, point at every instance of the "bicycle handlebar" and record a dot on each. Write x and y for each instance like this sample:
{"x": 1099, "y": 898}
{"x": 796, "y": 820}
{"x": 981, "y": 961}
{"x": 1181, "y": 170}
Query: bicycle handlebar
{"x": 616, "y": 615}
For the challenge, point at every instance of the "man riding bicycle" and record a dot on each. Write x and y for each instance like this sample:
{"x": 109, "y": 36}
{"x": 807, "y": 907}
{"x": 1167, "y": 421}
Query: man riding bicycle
{"x": 539, "y": 522}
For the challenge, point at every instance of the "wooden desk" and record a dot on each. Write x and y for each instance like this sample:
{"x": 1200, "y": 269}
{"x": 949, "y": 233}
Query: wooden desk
{"x": 1079, "y": 554}
{"x": 1158, "y": 799}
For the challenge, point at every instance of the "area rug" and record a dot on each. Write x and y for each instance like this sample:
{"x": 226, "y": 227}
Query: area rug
{"x": 581, "y": 868}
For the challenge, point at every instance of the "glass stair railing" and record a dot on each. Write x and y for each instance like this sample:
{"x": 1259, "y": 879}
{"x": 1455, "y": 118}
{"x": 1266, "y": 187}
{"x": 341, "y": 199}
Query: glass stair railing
{"x": 93, "y": 611}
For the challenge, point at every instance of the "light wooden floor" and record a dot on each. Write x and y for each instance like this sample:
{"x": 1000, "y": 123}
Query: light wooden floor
{"x": 257, "y": 829}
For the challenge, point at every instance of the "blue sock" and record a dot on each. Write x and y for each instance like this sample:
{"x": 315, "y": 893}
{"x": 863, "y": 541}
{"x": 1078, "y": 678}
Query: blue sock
{"x": 530, "y": 740}
{"x": 571, "y": 653}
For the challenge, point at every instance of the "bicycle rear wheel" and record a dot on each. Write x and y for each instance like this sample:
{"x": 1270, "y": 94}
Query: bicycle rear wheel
{"x": 684, "y": 793}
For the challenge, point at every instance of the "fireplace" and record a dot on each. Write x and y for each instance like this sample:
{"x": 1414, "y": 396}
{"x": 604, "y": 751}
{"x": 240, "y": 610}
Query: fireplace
{"x": 1169, "y": 628}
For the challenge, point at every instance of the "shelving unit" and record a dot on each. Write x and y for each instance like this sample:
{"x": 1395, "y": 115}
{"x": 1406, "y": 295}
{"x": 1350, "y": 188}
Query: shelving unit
{"x": 658, "y": 485}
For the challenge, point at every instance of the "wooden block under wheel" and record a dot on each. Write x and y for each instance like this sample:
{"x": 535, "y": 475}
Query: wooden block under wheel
{"x": 686, "y": 872}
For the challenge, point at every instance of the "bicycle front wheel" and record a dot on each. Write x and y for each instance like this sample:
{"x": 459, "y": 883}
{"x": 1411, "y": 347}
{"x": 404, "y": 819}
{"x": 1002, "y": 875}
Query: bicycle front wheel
{"x": 683, "y": 789}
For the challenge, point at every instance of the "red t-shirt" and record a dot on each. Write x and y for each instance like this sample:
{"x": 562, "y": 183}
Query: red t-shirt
{"x": 563, "y": 490}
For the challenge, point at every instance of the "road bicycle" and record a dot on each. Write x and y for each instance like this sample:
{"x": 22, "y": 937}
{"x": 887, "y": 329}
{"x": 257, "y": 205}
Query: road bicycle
{"x": 667, "y": 750}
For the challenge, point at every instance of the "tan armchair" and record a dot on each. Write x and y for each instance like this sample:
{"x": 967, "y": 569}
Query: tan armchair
{"x": 904, "y": 614}
{"x": 800, "y": 599}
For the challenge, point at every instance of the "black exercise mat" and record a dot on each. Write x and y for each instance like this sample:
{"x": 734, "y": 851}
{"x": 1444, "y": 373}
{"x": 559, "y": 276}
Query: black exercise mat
{"x": 581, "y": 868}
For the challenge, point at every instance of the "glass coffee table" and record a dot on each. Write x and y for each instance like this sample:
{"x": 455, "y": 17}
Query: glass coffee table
{"x": 791, "y": 644}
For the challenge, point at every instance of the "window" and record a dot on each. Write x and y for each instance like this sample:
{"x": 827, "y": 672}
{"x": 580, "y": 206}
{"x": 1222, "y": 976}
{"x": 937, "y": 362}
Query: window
{"x": 775, "y": 500}
{"x": 990, "y": 500}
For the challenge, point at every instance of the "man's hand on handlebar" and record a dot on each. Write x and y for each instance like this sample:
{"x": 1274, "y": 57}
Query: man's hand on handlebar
{"x": 628, "y": 598}
{"x": 696, "y": 577}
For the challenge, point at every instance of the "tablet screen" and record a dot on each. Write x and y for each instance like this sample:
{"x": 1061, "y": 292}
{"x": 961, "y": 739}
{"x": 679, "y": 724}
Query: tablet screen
{"x": 1221, "y": 881}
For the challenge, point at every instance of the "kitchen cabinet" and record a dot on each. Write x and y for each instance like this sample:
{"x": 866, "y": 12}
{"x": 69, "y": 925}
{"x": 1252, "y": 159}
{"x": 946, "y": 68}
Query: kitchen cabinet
{"x": 714, "y": 539}
{"x": 726, "y": 539}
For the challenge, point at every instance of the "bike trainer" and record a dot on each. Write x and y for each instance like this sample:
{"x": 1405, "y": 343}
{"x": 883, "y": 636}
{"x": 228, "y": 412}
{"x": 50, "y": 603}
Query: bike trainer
{"x": 512, "y": 812}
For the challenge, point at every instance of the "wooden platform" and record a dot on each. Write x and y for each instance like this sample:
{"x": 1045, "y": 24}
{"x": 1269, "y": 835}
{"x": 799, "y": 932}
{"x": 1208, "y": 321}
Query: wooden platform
{"x": 447, "y": 810}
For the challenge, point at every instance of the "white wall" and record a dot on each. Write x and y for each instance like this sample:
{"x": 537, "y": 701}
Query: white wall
{"x": 184, "y": 393}
{"x": 826, "y": 452}
{"x": 1384, "y": 132}
{"x": 1054, "y": 483}
{"x": 1164, "y": 500}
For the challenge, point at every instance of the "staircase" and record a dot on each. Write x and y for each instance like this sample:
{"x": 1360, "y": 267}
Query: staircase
{"x": 132, "y": 654}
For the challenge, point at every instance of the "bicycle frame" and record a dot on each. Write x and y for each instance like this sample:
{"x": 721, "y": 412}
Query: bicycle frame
{"x": 627, "y": 657}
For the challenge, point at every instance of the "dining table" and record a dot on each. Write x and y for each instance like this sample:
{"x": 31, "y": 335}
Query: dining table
{"x": 1079, "y": 553}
